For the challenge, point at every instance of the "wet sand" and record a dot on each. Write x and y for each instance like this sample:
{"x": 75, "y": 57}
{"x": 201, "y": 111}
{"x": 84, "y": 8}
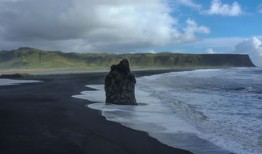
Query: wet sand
{"x": 43, "y": 118}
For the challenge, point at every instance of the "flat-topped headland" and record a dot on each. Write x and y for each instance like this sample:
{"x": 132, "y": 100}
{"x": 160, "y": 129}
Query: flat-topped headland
{"x": 38, "y": 60}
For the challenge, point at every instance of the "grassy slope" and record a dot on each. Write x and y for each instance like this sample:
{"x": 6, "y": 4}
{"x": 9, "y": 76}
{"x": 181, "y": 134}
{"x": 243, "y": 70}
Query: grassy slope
{"x": 28, "y": 58}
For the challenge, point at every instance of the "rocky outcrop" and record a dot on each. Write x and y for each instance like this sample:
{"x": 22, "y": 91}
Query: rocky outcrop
{"x": 120, "y": 85}
{"x": 15, "y": 76}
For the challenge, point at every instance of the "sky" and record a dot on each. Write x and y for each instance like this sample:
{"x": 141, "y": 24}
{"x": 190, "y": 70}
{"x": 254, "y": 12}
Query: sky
{"x": 121, "y": 26}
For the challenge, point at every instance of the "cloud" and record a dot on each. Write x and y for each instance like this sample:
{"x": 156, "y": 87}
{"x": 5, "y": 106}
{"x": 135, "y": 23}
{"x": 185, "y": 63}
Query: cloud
{"x": 190, "y": 3}
{"x": 253, "y": 47}
{"x": 218, "y": 8}
{"x": 259, "y": 8}
{"x": 227, "y": 43}
{"x": 210, "y": 51}
{"x": 87, "y": 25}
{"x": 191, "y": 29}
{"x": 221, "y": 45}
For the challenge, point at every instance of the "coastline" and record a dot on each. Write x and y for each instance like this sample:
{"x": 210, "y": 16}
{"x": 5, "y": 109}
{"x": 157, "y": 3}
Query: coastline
{"x": 83, "y": 71}
{"x": 154, "y": 117}
{"x": 44, "y": 118}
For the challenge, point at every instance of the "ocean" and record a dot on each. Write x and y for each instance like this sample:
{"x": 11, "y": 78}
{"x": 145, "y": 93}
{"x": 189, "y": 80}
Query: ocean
{"x": 206, "y": 111}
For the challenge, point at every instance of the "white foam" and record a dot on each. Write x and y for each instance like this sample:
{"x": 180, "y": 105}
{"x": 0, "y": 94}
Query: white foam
{"x": 183, "y": 107}
{"x": 5, "y": 82}
{"x": 232, "y": 117}
{"x": 142, "y": 112}
{"x": 155, "y": 117}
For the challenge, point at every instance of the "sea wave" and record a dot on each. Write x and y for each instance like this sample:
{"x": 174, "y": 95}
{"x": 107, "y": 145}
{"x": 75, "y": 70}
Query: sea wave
{"x": 199, "y": 110}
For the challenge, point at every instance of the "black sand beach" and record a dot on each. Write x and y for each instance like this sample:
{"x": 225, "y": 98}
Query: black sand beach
{"x": 43, "y": 118}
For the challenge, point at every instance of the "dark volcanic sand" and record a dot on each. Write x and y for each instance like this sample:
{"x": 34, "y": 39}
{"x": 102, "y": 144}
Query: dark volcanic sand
{"x": 43, "y": 118}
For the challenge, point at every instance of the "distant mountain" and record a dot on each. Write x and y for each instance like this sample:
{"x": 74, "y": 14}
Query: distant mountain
{"x": 29, "y": 58}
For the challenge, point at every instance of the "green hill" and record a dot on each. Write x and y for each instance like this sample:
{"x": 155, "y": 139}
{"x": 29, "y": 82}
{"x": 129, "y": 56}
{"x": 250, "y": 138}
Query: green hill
{"x": 29, "y": 58}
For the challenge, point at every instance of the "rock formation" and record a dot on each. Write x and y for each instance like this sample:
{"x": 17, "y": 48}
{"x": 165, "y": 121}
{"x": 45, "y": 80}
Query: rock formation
{"x": 120, "y": 85}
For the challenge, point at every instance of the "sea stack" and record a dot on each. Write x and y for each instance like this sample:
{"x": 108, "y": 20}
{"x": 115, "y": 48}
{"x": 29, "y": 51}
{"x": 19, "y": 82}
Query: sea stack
{"x": 120, "y": 85}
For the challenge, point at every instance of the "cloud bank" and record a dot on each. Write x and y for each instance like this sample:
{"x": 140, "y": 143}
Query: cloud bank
{"x": 87, "y": 25}
{"x": 253, "y": 47}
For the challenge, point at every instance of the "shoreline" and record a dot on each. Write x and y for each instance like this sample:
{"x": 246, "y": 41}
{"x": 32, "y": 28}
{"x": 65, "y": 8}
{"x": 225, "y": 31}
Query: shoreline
{"x": 44, "y": 118}
{"x": 83, "y": 71}
{"x": 183, "y": 136}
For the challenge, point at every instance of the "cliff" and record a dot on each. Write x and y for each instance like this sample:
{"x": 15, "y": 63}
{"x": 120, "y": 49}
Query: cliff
{"x": 29, "y": 58}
